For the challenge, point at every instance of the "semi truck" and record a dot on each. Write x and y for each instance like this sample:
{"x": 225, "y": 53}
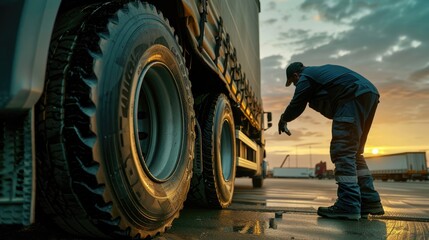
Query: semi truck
{"x": 322, "y": 172}
{"x": 114, "y": 113}
{"x": 398, "y": 167}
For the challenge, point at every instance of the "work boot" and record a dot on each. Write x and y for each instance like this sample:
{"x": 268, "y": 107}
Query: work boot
{"x": 335, "y": 212}
{"x": 374, "y": 208}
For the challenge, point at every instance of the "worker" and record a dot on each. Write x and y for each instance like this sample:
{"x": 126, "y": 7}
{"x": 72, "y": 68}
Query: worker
{"x": 350, "y": 100}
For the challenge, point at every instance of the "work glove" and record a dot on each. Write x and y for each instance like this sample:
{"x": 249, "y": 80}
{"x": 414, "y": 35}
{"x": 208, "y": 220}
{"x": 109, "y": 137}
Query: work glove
{"x": 283, "y": 127}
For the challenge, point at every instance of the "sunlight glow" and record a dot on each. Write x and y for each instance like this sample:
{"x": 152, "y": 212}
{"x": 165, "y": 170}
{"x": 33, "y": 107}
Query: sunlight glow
{"x": 375, "y": 151}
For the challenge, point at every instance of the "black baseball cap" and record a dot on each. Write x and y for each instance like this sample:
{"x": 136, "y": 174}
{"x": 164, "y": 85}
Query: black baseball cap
{"x": 291, "y": 69}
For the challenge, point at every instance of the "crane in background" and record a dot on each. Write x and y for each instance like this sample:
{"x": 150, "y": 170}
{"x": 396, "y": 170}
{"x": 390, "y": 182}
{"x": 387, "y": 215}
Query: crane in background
{"x": 284, "y": 160}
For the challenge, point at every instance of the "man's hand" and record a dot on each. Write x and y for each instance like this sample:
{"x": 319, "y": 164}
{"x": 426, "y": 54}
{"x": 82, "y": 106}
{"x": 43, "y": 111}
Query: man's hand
{"x": 283, "y": 127}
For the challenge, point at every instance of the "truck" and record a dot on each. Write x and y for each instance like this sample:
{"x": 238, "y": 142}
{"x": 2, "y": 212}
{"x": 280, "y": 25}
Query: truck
{"x": 115, "y": 113}
{"x": 321, "y": 171}
{"x": 293, "y": 172}
{"x": 398, "y": 167}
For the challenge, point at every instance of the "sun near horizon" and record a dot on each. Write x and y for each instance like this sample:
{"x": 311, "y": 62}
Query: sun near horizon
{"x": 375, "y": 151}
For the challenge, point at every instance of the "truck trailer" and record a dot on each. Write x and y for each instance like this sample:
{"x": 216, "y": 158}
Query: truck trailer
{"x": 398, "y": 167}
{"x": 114, "y": 113}
{"x": 293, "y": 172}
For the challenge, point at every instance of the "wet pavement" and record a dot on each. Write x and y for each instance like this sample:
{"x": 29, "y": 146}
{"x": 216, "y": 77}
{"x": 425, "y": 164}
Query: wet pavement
{"x": 286, "y": 209}
{"x": 238, "y": 224}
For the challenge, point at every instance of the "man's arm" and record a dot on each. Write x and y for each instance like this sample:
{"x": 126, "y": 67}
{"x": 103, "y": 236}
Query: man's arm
{"x": 303, "y": 92}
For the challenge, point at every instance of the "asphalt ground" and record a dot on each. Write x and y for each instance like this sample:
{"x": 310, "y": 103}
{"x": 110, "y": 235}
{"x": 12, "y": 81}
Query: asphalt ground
{"x": 286, "y": 209}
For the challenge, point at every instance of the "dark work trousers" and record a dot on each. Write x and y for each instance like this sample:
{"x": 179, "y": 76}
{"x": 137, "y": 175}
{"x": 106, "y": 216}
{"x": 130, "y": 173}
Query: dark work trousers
{"x": 351, "y": 124}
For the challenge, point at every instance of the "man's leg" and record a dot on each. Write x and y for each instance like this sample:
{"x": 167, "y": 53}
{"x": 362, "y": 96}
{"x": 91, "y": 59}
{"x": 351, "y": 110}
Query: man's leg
{"x": 344, "y": 147}
{"x": 370, "y": 199}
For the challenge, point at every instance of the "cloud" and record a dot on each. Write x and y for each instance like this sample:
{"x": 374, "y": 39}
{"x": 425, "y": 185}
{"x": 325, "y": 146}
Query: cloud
{"x": 272, "y": 70}
{"x": 389, "y": 45}
{"x": 313, "y": 41}
{"x": 385, "y": 41}
{"x": 271, "y": 6}
{"x": 375, "y": 34}
{"x": 270, "y": 21}
{"x": 297, "y": 135}
{"x": 310, "y": 119}
{"x": 285, "y": 18}
{"x": 295, "y": 34}
{"x": 272, "y": 62}
{"x": 420, "y": 75}
{"x": 338, "y": 11}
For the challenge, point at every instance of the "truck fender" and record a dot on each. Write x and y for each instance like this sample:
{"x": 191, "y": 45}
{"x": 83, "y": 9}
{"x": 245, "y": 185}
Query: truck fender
{"x": 25, "y": 39}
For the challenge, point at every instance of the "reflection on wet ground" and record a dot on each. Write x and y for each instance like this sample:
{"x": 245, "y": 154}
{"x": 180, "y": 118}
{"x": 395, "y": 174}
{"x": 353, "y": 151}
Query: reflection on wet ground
{"x": 255, "y": 224}
{"x": 286, "y": 209}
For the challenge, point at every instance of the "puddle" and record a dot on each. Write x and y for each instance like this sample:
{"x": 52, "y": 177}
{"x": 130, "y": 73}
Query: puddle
{"x": 256, "y": 227}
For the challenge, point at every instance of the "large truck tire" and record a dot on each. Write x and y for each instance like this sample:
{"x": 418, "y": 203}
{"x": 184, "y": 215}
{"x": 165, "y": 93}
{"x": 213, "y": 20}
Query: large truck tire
{"x": 115, "y": 123}
{"x": 214, "y": 188}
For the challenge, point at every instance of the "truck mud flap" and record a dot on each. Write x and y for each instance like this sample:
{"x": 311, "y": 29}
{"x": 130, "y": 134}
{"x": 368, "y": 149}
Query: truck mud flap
{"x": 16, "y": 171}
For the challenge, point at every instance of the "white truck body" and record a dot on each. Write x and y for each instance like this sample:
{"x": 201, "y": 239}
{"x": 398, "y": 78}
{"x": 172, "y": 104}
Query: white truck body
{"x": 293, "y": 172}
{"x": 401, "y": 166}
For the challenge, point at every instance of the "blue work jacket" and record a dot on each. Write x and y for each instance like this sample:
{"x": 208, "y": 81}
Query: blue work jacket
{"x": 325, "y": 88}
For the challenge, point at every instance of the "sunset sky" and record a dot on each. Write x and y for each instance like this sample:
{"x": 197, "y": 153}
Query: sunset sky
{"x": 387, "y": 41}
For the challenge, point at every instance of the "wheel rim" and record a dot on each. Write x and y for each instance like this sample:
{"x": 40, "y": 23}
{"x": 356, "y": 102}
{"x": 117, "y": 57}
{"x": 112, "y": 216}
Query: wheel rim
{"x": 158, "y": 122}
{"x": 226, "y": 151}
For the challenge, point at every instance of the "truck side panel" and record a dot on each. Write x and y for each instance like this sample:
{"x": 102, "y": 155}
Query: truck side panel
{"x": 417, "y": 162}
{"x": 401, "y": 166}
{"x": 393, "y": 162}
{"x": 244, "y": 32}
{"x": 292, "y": 172}
{"x": 28, "y": 25}
{"x": 215, "y": 33}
